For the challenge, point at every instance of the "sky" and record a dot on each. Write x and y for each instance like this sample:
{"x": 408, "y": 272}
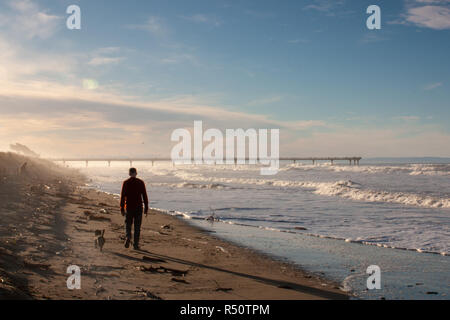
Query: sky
{"x": 137, "y": 70}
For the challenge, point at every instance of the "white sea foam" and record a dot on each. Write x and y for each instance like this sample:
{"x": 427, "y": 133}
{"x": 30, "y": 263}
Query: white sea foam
{"x": 411, "y": 169}
{"x": 191, "y": 185}
{"x": 345, "y": 188}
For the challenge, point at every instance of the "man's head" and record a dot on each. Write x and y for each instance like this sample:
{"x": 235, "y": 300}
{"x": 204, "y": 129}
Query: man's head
{"x": 133, "y": 172}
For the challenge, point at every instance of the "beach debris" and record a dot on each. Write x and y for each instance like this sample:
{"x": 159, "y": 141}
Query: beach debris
{"x": 104, "y": 211}
{"x": 82, "y": 229}
{"x": 179, "y": 280}
{"x": 212, "y": 216}
{"x": 88, "y": 213}
{"x": 80, "y": 220}
{"x": 99, "y": 289}
{"x": 167, "y": 227}
{"x": 432, "y": 292}
{"x": 161, "y": 269}
{"x": 202, "y": 242}
{"x": 92, "y": 216}
{"x": 221, "y": 249}
{"x": 103, "y": 268}
{"x": 39, "y": 188}
{"x": 148, "y": 294}
{"x": 300, "y": 228}
{"x": 224, "y": 289}
{"x": 220, "y": 288}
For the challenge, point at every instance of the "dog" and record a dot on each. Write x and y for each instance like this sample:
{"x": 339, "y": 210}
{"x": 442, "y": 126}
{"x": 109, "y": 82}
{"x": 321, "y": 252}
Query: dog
{"x": 99, "y": 239}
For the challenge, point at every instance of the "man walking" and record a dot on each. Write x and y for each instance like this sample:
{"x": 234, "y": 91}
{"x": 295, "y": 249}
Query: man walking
{"x": 132, "y": 196}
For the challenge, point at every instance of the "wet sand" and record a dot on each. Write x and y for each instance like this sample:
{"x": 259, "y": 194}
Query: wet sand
{"x": 48, "y": 224}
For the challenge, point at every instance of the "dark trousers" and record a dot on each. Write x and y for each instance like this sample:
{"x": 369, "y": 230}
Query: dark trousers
{"x": 136, "y": 217}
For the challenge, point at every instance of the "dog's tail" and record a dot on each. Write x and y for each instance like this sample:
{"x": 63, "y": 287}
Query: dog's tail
{"x": 103, "y": 232}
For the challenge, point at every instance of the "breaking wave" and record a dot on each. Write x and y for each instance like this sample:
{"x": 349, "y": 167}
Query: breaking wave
{"x": 345, "y": 189}
{"x": 412, "y": 169}
{"x": 192, "y": 185}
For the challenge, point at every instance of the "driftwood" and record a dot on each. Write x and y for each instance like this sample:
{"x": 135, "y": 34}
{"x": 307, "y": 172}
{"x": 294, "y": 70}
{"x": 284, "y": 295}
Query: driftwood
{"x": 162, "y": 269}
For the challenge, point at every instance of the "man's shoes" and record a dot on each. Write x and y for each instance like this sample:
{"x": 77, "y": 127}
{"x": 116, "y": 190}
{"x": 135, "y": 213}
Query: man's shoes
{"x": 127, "y": 243}
{"x": 136, "y": 247}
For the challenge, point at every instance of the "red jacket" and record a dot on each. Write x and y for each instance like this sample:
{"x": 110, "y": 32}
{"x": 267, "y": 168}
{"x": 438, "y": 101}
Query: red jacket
{"x": 133, "y": 194}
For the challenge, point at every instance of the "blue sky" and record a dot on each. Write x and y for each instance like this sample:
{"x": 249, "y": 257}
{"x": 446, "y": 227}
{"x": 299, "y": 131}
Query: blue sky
{"x": 139, "y": 69}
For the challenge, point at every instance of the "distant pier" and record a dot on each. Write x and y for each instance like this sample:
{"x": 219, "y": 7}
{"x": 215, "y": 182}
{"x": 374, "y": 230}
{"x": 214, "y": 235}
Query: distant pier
{"x": 351, "y": 160}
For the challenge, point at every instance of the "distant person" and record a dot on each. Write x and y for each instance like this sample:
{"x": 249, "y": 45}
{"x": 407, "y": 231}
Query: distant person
{"x": 132, "y": 199}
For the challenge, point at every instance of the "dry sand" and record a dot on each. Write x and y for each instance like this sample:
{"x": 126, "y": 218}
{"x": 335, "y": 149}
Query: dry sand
{"x": 48, "y": 223}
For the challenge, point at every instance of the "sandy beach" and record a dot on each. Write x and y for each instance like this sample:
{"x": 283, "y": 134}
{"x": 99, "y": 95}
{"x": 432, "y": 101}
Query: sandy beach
{"x": 48, "y": 224}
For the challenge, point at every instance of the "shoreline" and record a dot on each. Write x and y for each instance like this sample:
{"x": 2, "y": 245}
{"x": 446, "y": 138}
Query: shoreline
{"x": 263, "y": 254}
{"x": 186, "y": 217}
{"x": 54, "y": 228}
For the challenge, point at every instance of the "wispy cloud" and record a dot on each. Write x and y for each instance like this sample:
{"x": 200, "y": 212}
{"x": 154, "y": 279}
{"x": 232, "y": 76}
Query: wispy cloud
{"x": 204, "y": 19}
{"x": 432, "y": 86}
{"x": 323, "y": 5}
{"x": 27, "y": 19}
{"x": 18, "y": 63}
{"x": 328, "y": 7}
{"x": 407, "y": 118}
{"x": 98, "y": 61}
{"x": 154, "y": 25}
{"x": 433, "y": 1}
{"x": 263, "y": 101}
{"x": 180, "y": 58}
{"x": 296, "y": 41}
{"x": 433, "y": 14}
{"x": 434, "y": 17}
{"x": 105, "y": 56}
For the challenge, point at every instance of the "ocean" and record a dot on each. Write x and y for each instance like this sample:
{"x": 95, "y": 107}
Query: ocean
{"x": 331, "y": 220}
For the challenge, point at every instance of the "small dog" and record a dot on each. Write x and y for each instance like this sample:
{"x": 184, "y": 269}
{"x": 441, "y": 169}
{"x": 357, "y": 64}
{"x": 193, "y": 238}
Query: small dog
{"x": 100, "y": 239}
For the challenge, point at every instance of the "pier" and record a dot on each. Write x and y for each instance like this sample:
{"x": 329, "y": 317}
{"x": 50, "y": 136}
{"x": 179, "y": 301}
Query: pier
{"x": 332, "y": 160}
{"x": 351, "y": 160}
